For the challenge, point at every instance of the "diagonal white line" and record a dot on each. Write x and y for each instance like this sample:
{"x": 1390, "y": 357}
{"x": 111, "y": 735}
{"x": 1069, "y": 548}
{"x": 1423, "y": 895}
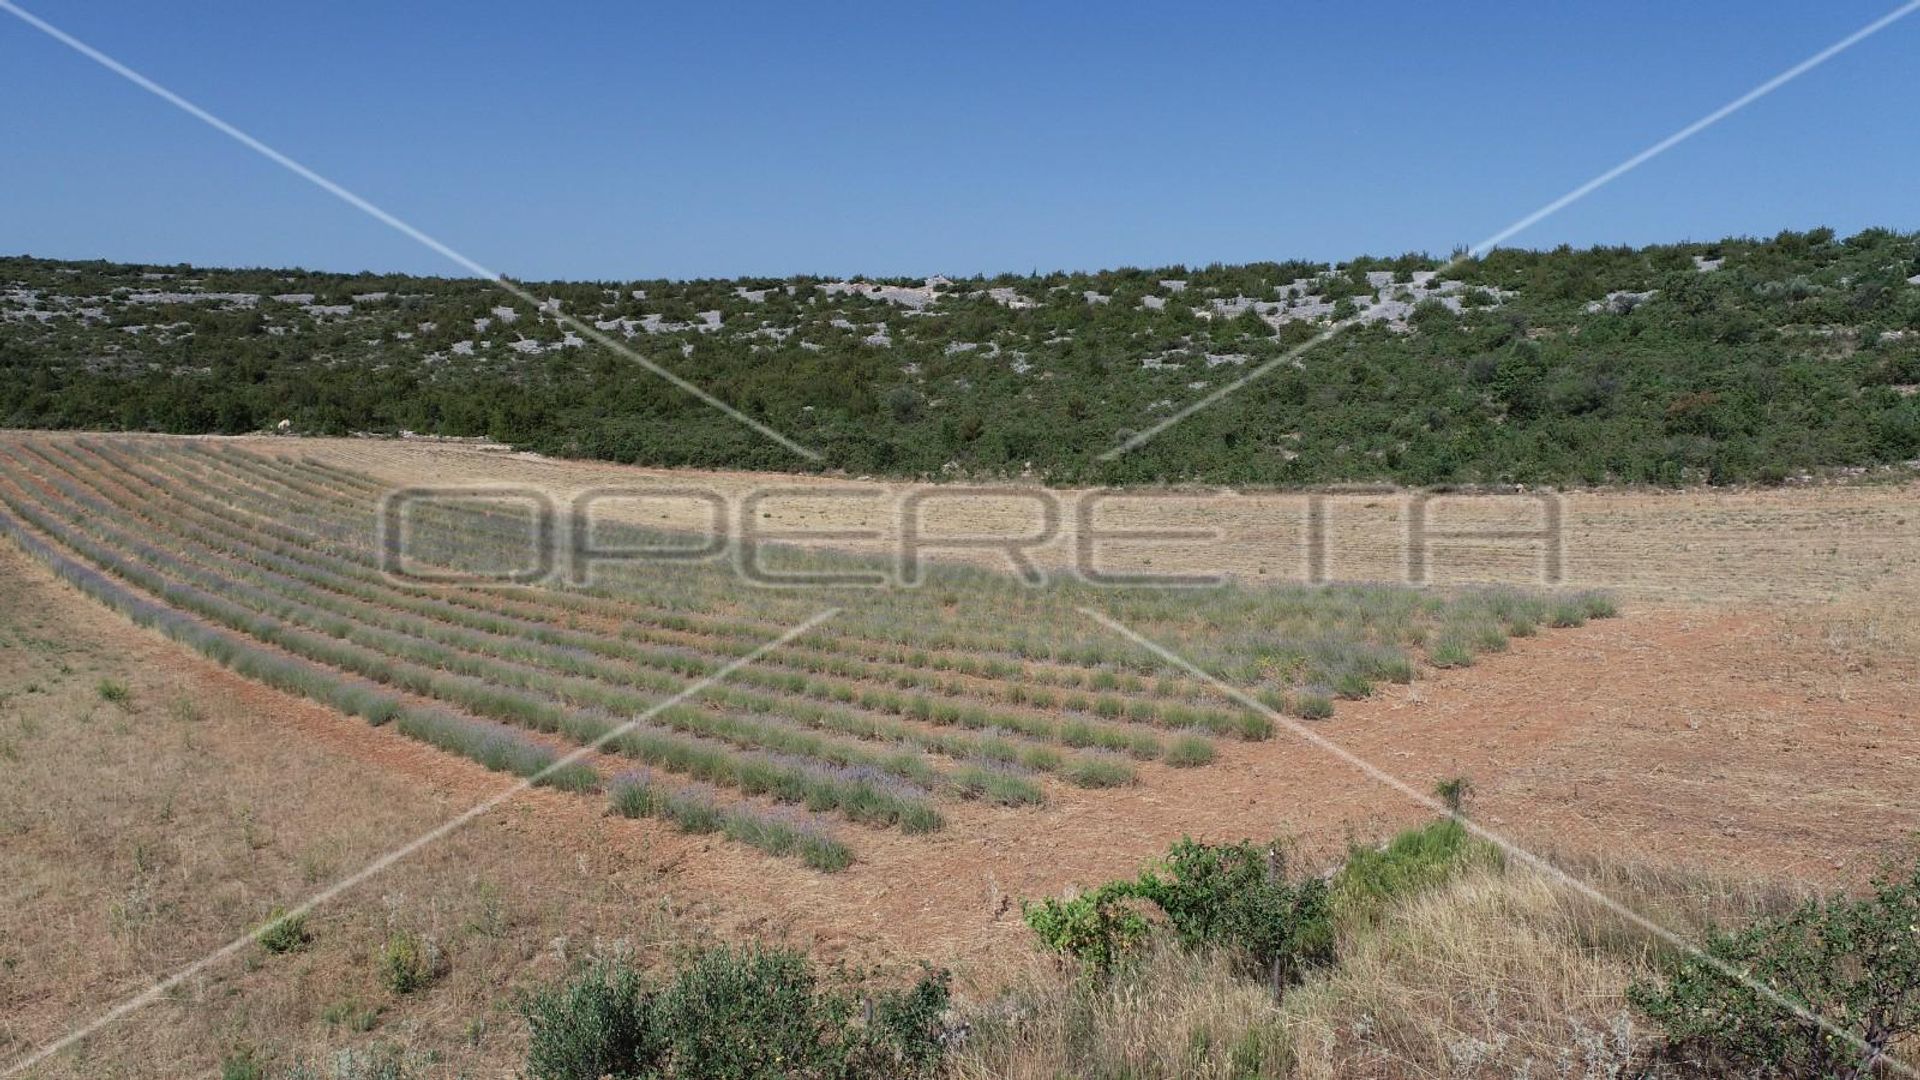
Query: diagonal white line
{"x": 1700, "y": 125}
{"x": 490, "y": 803}
{"x": 1135, "y": 441}
{"x": 1507, "y": 847}
{"x": 354, "y": 200}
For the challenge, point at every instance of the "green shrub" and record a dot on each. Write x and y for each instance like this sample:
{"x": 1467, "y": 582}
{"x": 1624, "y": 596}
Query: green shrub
{"x": 748, "y": 1013}
{"x": 1096, "y": 928}
{"x": 734, "y": 1014}
{"x": 284, "y": 933}
{"x": 408, "y": 962}
{"x": 115, "y": 691}
{"x": 1853, "y": 964}
{"x": 1238, "y": 896}
{"x": 1313, "y": 706}
{"x": 589, "y": 1027}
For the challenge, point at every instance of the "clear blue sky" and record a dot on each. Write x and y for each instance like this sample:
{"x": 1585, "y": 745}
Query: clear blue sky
{"x": 623, "y": 140}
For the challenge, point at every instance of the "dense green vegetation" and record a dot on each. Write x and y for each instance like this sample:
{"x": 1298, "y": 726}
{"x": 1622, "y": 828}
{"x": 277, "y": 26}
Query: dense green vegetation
{"x": 1732, "y": 361}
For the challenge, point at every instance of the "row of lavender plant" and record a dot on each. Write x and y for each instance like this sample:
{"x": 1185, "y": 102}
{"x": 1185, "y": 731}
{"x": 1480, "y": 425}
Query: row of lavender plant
{"x": 1041, "y": 633}
{"x": 859, "y": 795}
{"x": 1108, "y": 706}
{"x": 1322, "y": 643}
{"x": 494, "y": 745}
{"x": 696, "y": 810}
{"x": 996, "y": 748}
{"x": 1338, "y": 640}
{"x": 1070, "y": 732}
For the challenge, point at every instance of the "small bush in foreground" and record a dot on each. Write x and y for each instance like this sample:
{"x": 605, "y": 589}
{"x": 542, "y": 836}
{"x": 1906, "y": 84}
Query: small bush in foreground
{"x": 1237, "y": 896}
{"x": 591, "y": 1026}
{"x": 284, "y": 933}
{"x": 115, "y": 691}
{"x": 408, "y": 962}
{"x": 1845, "y": 965}
{"x": 740, "y": 1014}
{"x": 1095, "y": 928}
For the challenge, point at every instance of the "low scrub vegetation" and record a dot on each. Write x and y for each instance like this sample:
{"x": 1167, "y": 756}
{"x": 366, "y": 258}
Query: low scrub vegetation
{"x": 1720, "y": 362}
{"x": 1831, "y": 988}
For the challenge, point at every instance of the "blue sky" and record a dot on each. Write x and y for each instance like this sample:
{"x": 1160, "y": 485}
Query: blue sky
{"x": 646, "y": 140}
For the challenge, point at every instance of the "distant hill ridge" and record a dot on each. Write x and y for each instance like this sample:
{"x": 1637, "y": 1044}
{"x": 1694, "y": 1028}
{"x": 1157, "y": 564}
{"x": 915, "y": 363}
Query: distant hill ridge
{"x": 1738, "y": 360}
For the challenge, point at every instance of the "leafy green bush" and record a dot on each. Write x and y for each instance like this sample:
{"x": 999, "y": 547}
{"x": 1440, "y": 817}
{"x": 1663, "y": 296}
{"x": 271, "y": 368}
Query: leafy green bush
{"x": 1238, "y": 896}
{"x": 284, "y": 933}
{"x": 589, "y": 1027}
{"x": 408, "y": 962}
{"x": 733, "y": 1014}
{"x": 1097, "y": 927}
{"x": 1235, "y": 896}
{"x": 750, "y": 1013}
{"x": 1845, "y": 965}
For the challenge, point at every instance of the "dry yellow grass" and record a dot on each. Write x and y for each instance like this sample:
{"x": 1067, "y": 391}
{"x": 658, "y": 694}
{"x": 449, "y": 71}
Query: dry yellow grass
{"x": 1496, "y": 973}
{"x": 137, "y": 836}
{"x": 1487, "y": 976}
{"x": 1176, "y": 1014}
{"x": 1840, "y": 543}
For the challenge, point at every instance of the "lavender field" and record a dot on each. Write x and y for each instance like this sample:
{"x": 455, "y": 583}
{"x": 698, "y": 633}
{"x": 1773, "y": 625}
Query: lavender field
{"x": 972, "y": 687}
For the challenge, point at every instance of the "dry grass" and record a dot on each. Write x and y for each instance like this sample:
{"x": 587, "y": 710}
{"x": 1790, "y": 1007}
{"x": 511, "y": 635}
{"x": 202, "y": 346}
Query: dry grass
{"x": 1486, "y": 976}
{"x": 137, "y": 836}
{"x": 1804, "y": 545}
{"x": 1174, "y": 1014}
{"x": 1497, "y": 973}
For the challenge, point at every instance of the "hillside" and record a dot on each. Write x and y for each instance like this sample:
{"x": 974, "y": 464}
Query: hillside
{"x": 1733, "y": 361}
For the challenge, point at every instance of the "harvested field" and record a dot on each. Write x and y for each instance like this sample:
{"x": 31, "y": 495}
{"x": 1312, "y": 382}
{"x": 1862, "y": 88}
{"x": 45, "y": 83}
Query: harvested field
{"x": 1843, "y": 542}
